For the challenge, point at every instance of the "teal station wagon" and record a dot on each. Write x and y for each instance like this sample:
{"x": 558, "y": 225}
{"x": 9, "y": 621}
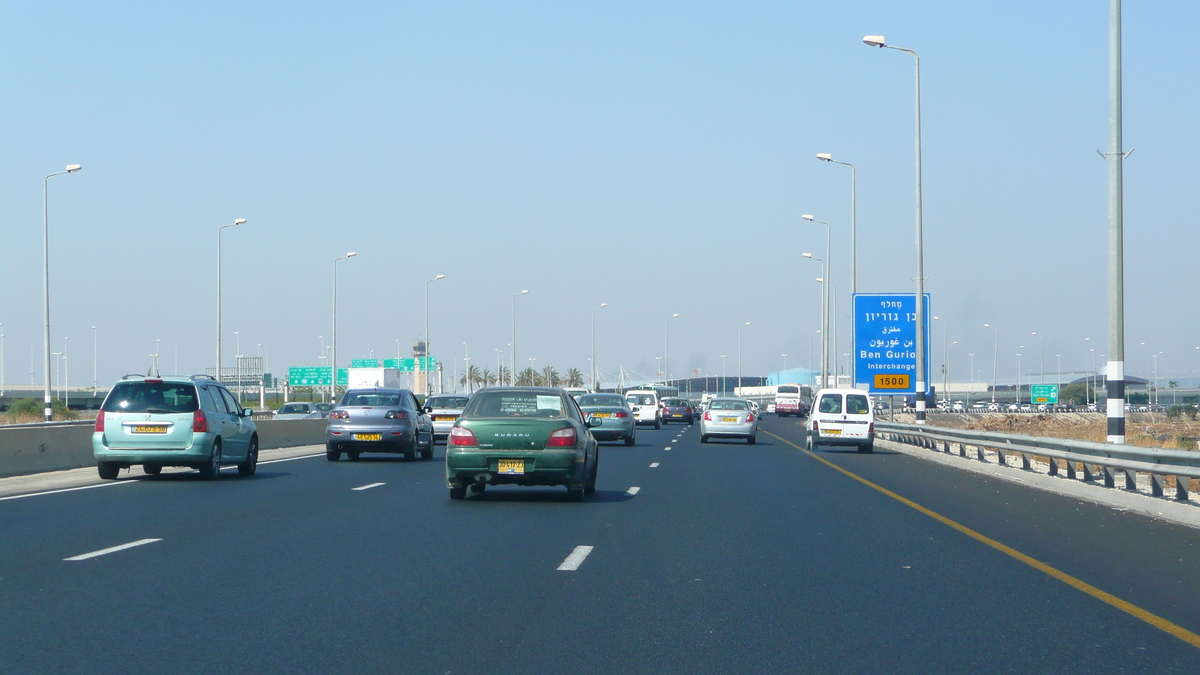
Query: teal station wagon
{"x": 173, "y": 421}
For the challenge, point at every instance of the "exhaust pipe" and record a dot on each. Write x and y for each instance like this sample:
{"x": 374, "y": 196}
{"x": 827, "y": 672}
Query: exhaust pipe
{"x": 483, "y": 478}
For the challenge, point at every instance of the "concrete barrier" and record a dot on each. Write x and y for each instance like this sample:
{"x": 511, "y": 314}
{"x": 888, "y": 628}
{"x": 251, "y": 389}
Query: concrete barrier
{"x": 57, "y": 446}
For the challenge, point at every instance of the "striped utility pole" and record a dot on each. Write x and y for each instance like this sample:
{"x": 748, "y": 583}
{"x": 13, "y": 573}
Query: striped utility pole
{"x": 1115, "y": 373}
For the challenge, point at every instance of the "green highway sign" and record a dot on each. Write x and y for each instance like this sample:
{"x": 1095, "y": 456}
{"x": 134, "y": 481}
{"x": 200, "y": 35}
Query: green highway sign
{"x": 395, "y": 363}
{"x": 409, "y": 365}
{"x": 364, "y": 363}
{"x": 1046, "y": 394}
{"x": 343, "y": 377}
{"x": 310, "y": 377}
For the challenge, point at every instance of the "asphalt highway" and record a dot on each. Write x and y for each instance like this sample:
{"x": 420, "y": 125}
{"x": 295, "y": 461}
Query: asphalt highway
{"x": 691, "y": 558}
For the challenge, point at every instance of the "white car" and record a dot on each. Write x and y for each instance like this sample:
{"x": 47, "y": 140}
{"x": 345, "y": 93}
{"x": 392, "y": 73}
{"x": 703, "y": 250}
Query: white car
{"x": 842, "y": 417}
{"x": 958, "y": 405}
{"x": 444, "y": 410}
{"x": 645, "y": 406}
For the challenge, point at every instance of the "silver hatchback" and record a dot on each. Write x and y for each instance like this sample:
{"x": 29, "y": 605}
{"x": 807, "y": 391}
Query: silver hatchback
{"x": 729, "y": 418}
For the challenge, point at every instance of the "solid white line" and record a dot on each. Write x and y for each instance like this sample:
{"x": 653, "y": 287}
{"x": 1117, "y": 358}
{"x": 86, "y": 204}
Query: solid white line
{"x": 634, "y": 490}
{"x": 654, "y": 465}
{"x": 113, "y": 549}
{"x": 82, "y": 487}
{"x": 368, "y": 487}
{"x": 574, "y": 560}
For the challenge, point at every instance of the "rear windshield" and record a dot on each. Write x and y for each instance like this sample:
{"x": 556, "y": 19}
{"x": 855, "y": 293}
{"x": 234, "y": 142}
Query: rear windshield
{"x": 294, "y": 408}
{"x": 451, "y": 401}
{"x": 371, "y": 398}
{"x": 785, "y": 389}
{"x": 644, "y": 399}
{"x": 326, "y": 407}
{"x": 152, "y": 397}
{"x": 680, "y": 402}
{"x": 603, "y": 399}
{"x": 856, "y": 404}
{"x": 729, "y": 405}
{"x": 832, "y": 403}
{"x": 515, "y": 404}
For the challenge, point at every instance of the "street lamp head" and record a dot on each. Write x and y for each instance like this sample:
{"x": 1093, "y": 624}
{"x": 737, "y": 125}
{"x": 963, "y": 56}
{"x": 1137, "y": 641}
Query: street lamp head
{"x": 819, "y": 279}
{"x": 675, "y": 315}
{"x": 350, "y": 254}
{"x": 239, "y": 221}
{"x": 747, "y": 323}
{"x": 604, "y": 304}
{"x": 824, "y": 156}
{"x": 806, "y": 255}
{"x": 524, "y": 292}
{"x": 72, "y": 168}
{"x": 807, "y": 216}
{"x": 440, "y": 276}
{"x": 987, "y": 325}
{"x": 874, "y": 41}
{"x": 936, "y": 319}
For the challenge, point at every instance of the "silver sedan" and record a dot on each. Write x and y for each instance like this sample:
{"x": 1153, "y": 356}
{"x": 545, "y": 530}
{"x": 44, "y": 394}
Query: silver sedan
{"x": 729, "y": 418}
{"x": 616, "y": 419}
{"x": 445, "y": 409}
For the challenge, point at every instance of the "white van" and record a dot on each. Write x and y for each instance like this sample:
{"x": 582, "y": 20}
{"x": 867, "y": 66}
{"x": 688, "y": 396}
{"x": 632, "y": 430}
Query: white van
{"x": 842, "y": 417}
{"x": 645, "y": 406}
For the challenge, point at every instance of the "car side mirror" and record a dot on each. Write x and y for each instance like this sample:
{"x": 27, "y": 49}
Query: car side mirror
{"x": 429, "y": 409}
{"x": 593, "y": 421}
{"x": 247, "y": 412}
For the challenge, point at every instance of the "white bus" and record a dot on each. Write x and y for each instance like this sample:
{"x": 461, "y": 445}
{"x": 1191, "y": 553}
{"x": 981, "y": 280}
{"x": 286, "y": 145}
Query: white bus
{"x": 793, "y": 399}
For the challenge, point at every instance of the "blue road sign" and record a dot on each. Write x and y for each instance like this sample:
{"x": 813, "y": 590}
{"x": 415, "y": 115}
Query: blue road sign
{"x": 885, "y": 336}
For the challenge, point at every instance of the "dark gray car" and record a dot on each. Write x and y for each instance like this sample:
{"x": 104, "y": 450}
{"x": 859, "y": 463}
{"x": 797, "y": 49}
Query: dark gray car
{"x": 378, "y": 420}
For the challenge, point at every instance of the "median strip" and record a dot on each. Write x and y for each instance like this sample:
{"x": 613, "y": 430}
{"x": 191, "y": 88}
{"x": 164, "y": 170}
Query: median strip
{"x": 576, "y": 559}
{"x": 111, "y": 549}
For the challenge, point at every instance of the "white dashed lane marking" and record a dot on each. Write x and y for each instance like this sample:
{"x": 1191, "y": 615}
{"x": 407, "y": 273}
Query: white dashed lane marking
{"x": 634, "y": 490}
{"x": 368, "y": 487}
{"x": 654, "y": 465}
{"x": 112, "y": 549}
{"x": 576, "y": 559}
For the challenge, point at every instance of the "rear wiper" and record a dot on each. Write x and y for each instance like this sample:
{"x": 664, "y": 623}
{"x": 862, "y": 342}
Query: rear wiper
{"x": 164, "y": 411}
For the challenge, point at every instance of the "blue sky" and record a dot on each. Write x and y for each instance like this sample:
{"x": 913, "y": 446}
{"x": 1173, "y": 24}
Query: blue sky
{"x": 655, "y": 156}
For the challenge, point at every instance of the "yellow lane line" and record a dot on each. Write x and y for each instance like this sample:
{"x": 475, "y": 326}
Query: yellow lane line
{"x": 1133, "y": 610}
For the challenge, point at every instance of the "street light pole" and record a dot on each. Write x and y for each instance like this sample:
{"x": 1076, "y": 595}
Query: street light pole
{"x": 71, "y": 168}
{"x": 1042, "y": 346}
{"x": 826, "y": 268}
{"x": 595, "y": 382}
{"x": 235, "y": 223}
{"x": 825, "y": 156}
{"x": 1115, "y": 373}
{"x": 417, "y": 365}
{"x": 945, "y": 359}
{"x": 824, "y": 319}
{"x": 333, "y": 341}
{"x": 740, "y": 353}
{"x": 879, "y": 41}
{"x": 513, "y": 352}
{"x": 667, "y": 349}
{"x": 723, "y": 374}
{"x": 95, "y": 368}
{"x": 995, "y": 359}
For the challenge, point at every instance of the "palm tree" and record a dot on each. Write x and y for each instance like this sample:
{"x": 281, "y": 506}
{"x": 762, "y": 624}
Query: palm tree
{"x": 486, "y": 378}
{"x": 527, "y": 378}
{"x": 470, "y": 377}
{"x": 575, "y": 378}
{"x": 550, "y": 377}
{"x": 502, "y": 375}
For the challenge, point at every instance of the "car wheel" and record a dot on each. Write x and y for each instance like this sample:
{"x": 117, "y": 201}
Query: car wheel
{"x": 151, "y": 469}
{"x": 211, "y": 469}
{"x": 868, "y": 448}
{"x": 575, "y": 494}
{"x": 692, "y": 421}
{"x": 458, "y": 493}
{"x": 248, "y": 467}
{"x": 658, "y": 422}
{"x": 810, "y": 443}
{"x": 666, "y": 421}
{"x": 352, "y": 455}
{"x": 108, "y": 470}
{"x": 427, "y": 453}
{"x": 411, "y": 452}
{"x": 478, "y": 487}
{"x": 703, "y": 438}
{"x": 630, "y": 440}
{"x": 754, "y": 439}
{"x": 589, "y": 488}
{"x": 332, "y": 453}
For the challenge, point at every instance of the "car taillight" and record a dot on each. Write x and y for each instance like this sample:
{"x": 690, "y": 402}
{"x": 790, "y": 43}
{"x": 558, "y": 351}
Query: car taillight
{"x": 815, "y": 428}
{"x": 562, "y": 438}
{"x": 750, "y": 417}
{"x": 199, "y": 422}
{"x": 461, "y": 436}
{"x": 624, "y": 414}
{"x": 871, "y": 425}
{"x": 708, "y": 416}
{"x": 339, "y": 415}
{"x": 401, "y": 415}
{"x": 100, "y": 419}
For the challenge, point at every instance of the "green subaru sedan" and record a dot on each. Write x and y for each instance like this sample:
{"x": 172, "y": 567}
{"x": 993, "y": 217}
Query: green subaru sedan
{"x": 522, "y": 436}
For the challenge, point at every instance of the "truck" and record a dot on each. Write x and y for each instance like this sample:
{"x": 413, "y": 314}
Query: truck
{"x": 363, "y": 378}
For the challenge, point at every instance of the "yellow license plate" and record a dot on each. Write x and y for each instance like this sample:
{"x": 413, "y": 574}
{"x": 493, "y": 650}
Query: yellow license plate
{"x": 510, "y": 466}
{"x": 149, "y": 429}
{"x": 832, "y": 432}
{"x": 444, "y": 418}
{"x": 368, "y": 437}
{"x": 729, "y": 419}
{"x": 601, "y": 415}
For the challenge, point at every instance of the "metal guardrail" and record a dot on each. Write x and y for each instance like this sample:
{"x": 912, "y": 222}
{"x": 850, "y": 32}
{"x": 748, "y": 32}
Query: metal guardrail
{"x": 1095, "y": 460}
